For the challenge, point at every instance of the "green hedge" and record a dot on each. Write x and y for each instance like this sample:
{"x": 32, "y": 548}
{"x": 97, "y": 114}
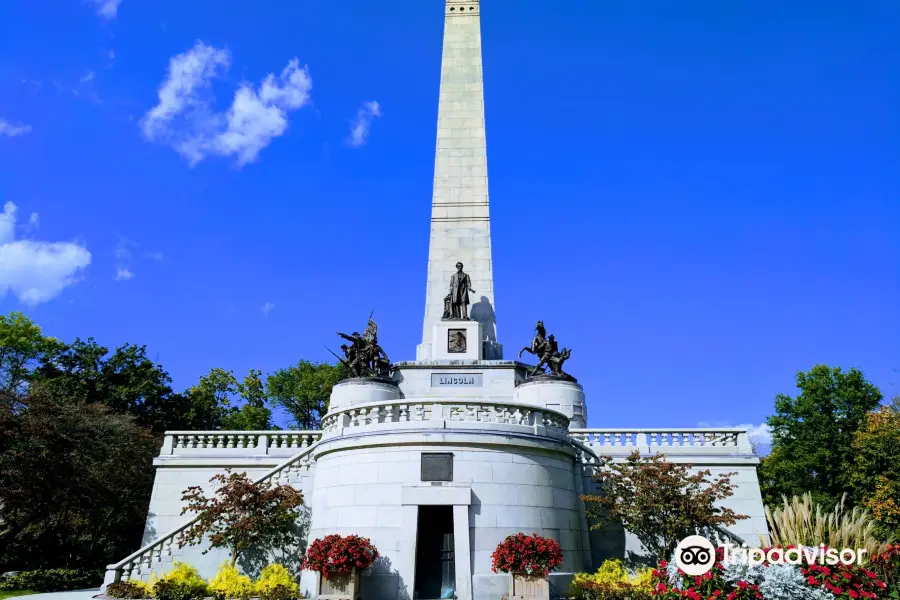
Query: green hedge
{"x": 52, "y": 580}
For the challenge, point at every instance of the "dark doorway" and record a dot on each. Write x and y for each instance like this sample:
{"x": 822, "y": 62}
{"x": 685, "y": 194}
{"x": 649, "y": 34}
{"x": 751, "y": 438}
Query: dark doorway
{"x": 435, "y": 559}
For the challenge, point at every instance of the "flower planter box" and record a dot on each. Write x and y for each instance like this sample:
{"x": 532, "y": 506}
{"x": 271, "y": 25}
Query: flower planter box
{"x": 344, "y": 586}
{"x": 523, "y": 587}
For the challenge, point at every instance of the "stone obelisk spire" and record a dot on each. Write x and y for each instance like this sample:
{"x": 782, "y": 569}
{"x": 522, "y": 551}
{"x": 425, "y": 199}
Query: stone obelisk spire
{"x": 460, "y": 218}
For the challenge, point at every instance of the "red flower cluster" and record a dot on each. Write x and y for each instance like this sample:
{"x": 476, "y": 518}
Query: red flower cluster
{"x": 844, "y": 581}
{"x": 336, "y": 554}
{"x": 531, "y": 555}
{"x": 702, "y": 587}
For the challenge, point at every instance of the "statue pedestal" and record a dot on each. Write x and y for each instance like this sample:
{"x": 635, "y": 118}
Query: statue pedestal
{"x": 457, "y": 340}
{"x": 560, "y": 394}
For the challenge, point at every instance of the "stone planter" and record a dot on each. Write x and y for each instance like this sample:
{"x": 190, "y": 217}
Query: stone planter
{"x": 343, "y": 586}
{"x": 525, "y": 587}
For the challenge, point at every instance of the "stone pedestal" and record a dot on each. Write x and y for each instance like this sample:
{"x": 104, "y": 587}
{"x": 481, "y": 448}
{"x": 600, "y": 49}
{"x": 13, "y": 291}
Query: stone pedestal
{"x": 522, "y": 587}
{"x": 344, "y": 586}
{"x": 558, "y": 394}
{"x": 361, "y": 390}
{"x": 457, "y": 340}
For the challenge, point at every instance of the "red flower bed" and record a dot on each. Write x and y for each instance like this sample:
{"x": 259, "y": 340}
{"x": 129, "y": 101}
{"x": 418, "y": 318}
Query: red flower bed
{"x": 531, "y": 555}
{"x": 709, "y": 585}
{"x": 844, "y": 581}
{"x": 841, "y": 581}
{"x": 335, "y": 554}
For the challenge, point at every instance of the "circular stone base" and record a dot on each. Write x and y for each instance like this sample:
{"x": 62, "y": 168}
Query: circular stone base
{"x": 548, "y": 377}
{"x": 367, "y": 380}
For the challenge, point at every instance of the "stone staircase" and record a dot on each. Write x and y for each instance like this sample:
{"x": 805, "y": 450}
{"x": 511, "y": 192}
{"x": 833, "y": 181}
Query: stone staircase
{"x": 165, "y": 548}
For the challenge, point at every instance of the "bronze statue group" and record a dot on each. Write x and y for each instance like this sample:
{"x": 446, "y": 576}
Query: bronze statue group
{"x": 363, "y": 357}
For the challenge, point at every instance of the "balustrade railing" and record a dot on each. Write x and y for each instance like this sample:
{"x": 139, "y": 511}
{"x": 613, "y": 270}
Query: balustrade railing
{"x": 731, "y": 440}
{"x": 446, "y": 413}
{"x": 206, "y": 443}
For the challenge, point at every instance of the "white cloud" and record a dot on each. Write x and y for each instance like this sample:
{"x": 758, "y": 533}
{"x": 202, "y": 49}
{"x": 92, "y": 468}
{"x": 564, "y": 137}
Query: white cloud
{"x": 123, "y": 259}
{"x": 761, "y": 434}
{"x": 34, "y": 271}
{"x": 7, "y": 128}
{"x": 107, "y": 8}
{"x": 154, "y": 255}
{"x": 359, "y": 128}
{"x": 34, "y": 220}
{"x": 267, "y": 308}
{"x": 87, "y": 77}
{"x": 184, "y": 119}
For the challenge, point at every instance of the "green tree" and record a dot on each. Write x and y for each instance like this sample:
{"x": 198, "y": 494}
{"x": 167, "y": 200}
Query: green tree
{"x": 22, "y": 345}
{"x": 239, "y": 405}
{"x": 126, "y": 381}
{"x": 875, "y": 470}
{"x": 75, "y": 482}
{"x": 658, "y": 501}
{"x": 813, "y": 433}
{"x": 303, "y": 390}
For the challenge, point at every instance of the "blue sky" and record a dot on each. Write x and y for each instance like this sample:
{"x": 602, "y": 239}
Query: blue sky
{"x": 700, "y": 198}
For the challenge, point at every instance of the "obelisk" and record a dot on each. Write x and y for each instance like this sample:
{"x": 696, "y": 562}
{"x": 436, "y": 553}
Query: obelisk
{"x": 460, "y": 216}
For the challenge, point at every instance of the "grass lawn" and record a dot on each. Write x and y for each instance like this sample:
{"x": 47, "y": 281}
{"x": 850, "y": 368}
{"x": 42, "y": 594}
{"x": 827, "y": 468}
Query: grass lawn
{"x": 5, "y": 595}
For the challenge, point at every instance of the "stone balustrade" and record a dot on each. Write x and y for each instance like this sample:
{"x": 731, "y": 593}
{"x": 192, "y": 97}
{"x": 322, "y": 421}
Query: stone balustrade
{"x": 394, "y": 416}
{"x": 162, "y": 550}
{"x": 692, "y": 441}
{"x": 237, "y": 443}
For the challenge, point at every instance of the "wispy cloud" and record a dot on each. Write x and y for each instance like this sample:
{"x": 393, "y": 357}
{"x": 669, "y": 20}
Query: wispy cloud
{"x": 11, "y": 130}
{"x": 362, "y": 124}
{"x": 87, "y": 77}
{"x": 267, "y": 308}
{"x": 108, "y": 9}
{"x": 760, "y": 435}
{"x": 184, "y": 118}
{"x": 154, "y": 255}
{"x": 123, "y": 256}
{"x": 36, "y": 271}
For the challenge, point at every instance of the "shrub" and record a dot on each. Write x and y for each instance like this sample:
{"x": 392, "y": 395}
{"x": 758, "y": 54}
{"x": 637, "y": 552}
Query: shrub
{"x": 336, "y": 554}
{"x": 530, "y": 555}
{"x": 275, "y": 576}
{"x": 280, "y": 592}
{"x": 171, "y": 590}
{"x": 183, "y": 582}
{"x": 229, "y": 583}
{"x": 52, "y": 580}
{"x": 127, "y": 590}
{"x": 612, "y": 581}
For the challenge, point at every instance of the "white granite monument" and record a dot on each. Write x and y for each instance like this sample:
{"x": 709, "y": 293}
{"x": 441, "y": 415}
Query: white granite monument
{"x": 457, "y": 449}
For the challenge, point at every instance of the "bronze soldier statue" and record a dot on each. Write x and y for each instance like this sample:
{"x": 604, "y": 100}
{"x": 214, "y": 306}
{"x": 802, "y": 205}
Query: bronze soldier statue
{"x": 539, "y": 341}
{"x": 547, "y": 350}
{"x": 355, "y": 353}
{"x": 363, "y": 356}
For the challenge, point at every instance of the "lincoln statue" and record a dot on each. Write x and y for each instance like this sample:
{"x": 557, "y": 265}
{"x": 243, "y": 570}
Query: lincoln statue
{"x": 460, "y": 286}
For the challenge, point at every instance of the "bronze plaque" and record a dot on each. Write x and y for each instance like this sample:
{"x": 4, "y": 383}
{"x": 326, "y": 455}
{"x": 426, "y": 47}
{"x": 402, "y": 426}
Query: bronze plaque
{"x": 437, "y": 466}
{"x": 456, "y": 341}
